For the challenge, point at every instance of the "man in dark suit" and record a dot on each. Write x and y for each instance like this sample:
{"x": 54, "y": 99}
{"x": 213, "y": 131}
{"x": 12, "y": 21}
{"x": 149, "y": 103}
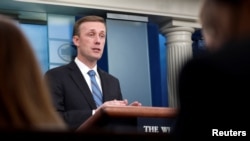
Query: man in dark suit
{"x": 214, "y": 88}
{"x": 70, "y": 85}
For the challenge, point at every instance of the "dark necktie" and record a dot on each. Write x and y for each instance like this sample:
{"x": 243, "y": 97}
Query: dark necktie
{"x": 97, "y": 94}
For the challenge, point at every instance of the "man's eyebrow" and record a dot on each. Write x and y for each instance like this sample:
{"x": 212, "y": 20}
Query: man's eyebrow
{"x": 91, "y": 30}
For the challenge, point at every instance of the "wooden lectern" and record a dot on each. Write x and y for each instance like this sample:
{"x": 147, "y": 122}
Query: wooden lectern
{"x": 126, "y": 119}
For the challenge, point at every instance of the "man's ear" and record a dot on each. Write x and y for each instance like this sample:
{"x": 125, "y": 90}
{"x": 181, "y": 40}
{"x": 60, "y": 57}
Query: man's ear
{"x": 76, "y": 40}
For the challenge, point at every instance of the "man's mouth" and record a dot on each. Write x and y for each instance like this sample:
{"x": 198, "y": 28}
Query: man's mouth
{"x": 96, "y": 49}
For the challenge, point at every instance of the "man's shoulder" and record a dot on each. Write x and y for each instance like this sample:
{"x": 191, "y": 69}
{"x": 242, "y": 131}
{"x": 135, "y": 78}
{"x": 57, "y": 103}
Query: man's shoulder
{"x": 61, "y": 68}
{"x": 104, "y": 73}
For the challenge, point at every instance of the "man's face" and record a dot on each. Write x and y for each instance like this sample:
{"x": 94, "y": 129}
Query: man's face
{"x": 90, "y": 41}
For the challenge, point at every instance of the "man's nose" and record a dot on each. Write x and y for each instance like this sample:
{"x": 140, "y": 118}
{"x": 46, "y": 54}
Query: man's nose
{"x": 97, "y": 40}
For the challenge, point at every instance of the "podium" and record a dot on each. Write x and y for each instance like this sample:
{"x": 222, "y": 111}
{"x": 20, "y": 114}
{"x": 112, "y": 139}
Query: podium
{"x": 130, "y": 119}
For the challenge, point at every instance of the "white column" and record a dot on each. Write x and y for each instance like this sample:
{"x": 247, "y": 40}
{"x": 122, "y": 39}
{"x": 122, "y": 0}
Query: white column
{"x": 179, "y": 50}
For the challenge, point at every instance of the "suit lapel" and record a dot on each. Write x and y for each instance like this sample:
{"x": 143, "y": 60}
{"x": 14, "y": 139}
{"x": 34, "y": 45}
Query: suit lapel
{"x": 78, "y": 78}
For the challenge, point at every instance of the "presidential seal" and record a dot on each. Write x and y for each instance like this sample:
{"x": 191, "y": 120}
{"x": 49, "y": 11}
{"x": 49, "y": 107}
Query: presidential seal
{"x": 66, "y": 52}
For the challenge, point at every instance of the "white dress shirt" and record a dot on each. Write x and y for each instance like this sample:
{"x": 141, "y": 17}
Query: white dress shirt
{"x": 84, "y": 70}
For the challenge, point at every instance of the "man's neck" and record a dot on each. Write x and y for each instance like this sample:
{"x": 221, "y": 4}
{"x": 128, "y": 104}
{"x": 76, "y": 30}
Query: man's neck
{"x": 90, "y": 64}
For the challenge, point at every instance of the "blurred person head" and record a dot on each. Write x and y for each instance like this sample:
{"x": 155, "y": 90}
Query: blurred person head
{"x": 224, "y": 20}
{"x": 25, "y": 102}
{"x": 89, "y": 36}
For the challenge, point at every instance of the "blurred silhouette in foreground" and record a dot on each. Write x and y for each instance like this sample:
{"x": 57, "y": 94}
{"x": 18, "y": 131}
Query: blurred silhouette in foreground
{"x": 214, "y": 88}
{"x": 25, "y": 103}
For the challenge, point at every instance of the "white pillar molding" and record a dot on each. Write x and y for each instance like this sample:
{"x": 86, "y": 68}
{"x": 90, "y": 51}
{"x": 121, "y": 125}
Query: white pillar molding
{"x": 179, "y": 50}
